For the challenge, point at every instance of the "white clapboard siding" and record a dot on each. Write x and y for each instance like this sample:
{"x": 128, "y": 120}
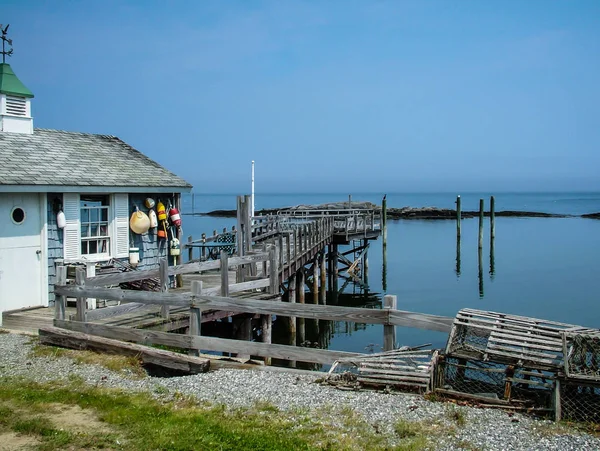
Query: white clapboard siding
{"x": 72, "y": 230}
{"x": 120, "y": 247}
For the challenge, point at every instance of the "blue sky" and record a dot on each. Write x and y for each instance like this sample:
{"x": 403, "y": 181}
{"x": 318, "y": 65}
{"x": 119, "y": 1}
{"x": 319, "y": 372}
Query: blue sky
{"x": 327, "y": 95}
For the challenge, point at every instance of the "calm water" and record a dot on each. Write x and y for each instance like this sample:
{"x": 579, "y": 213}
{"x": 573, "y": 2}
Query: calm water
{"x": 546, "y": 268}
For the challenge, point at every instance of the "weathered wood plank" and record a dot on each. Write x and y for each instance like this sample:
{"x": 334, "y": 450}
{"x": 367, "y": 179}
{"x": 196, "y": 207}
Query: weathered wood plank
{"x": 166, "y": 359}
{"x": 108, "y": 312}
{"x": 420, "y": 320}
{"x": 164, "y": 285}
{"x": 60, "y": 302}
{"x": 206, "y": 343}
{"x": 250, "y": 285}
{"x": 81, "y": 314}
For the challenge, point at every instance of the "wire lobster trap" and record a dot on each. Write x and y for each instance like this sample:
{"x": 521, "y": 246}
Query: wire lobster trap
{"x": 582, "y": 350}
{"x": 495, "y": 383}
{"x": 579, "y": 401}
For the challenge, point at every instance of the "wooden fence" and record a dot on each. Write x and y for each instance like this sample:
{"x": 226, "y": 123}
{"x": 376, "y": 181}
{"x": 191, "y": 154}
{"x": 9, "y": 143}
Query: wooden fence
{"x": 199, "y": 300}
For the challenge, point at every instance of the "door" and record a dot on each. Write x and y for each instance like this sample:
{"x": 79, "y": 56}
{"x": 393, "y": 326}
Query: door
{"x": 20, "y": 251}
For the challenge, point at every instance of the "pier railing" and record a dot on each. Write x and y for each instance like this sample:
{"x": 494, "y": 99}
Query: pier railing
{"x": 198, "y": 300}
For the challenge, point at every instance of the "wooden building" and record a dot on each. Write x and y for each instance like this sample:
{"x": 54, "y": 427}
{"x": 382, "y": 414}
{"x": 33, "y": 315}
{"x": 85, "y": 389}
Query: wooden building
{"x": 96, "y": 180}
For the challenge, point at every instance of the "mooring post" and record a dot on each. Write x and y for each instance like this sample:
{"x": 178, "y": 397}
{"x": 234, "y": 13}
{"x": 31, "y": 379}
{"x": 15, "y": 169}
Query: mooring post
{"x": 81, "y": 314}
{"x": 384, "y": 220}
{"x": 481, "y": 214}
{"x": 389, "y": 332}
{"x": 457, "y": 256}
{"x": 300, "y": 322}
{"x": 458, "y": 216}
{"x": 492, "y": 218}
{"x": 163, "y": 268}
{"x": 292, "y": 319}
{"x": 322, "y": 267}
{"x": 195, "y": 314}
{"x": 480, "y": 275}
{"x": 60, "y": 300}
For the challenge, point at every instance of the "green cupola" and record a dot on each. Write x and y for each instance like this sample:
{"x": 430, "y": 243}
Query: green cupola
{"x": 10, "y": 84}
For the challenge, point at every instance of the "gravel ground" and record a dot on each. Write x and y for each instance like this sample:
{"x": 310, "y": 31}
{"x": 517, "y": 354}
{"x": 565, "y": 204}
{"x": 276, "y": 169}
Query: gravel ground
{"x": 483, "y": 428}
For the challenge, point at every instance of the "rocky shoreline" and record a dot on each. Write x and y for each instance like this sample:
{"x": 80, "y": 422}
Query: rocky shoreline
{"x": 416, "y": 213}
{"x": 481, "y": 429}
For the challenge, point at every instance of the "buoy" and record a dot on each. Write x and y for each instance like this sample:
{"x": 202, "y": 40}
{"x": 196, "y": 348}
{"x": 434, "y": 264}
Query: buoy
{"x": 139, "y": 222}
{"x": 174, "y": 217}
{"x": 162, "y": 231}
{"x": 134, "y": 255}
{"x": 174, "y": 247}
{"x": 153, "y": 219}
{"x": 61, "y": 221}
{"x": 149, "y": 202}
{"x": 161, "y": 211}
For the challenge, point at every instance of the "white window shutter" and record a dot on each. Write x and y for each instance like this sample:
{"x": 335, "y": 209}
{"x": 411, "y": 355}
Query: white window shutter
{"x": 72, "y": 230}
{"x": 120, "y": 239}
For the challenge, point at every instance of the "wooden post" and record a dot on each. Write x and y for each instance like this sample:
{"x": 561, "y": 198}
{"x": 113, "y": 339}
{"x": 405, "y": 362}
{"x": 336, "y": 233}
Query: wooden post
{"x": 60, "y": 302}
{"x": 481, "y": 206}
{"x": 492, "y": 260}
{"x": 458, "y": 216}
{"x": 225, "y": 274}
{"x": 81, "y": 314}
{"x": 389, "y": 332}
{"x": 384, "y": 220}
{"x": 300, "y": 322}
{"x": 164, "y": 284}
{"x": 288, "y": 250}
{"x": 480, "y": 275}
{"x": 322, "y": 267}
{"x": 203, "y": 256}
{"x": 457, "y": 269}
{"x": 190, "y": 249}
{"x": 195, "y": 314}
{"x": 292, "y": 319}
{"x": 557, "y": 403}
{"x": 267, "y": 320}
{"x": 492, "y": 218}
{"x": 315, "y": 285}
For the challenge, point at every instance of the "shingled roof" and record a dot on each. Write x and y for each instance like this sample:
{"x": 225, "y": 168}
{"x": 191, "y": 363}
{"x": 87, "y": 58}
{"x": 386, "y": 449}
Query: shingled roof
{"x": 60, "y": 158}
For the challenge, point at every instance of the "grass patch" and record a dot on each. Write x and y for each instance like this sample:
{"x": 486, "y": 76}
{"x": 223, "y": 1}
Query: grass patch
{"x": 4, "y": 331}
{"x": 413, "y": 435}
{"x": 138, "y": 422}
{"x": 468, "y": 446}
{"x": 117, "y": 363}
{"x": 456, "y": 415}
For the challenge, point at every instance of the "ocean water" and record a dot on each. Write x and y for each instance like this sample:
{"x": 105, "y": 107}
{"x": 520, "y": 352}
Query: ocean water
{"x": 542, "y": 267}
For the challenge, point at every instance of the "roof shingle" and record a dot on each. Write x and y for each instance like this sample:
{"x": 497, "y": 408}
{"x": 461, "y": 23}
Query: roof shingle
{"x": 55, "y": 157}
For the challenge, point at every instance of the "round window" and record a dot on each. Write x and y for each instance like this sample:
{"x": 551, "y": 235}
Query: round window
{"x": 18, "y": 215}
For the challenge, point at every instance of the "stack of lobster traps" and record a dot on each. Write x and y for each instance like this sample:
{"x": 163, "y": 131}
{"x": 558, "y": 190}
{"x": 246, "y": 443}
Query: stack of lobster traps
{"x": 522, "y": 363}
{"x": 494, "y": 360}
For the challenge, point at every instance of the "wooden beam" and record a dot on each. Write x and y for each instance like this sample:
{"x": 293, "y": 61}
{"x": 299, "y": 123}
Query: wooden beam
{"x": 60, "y": 301}
{"x": 166, "y": 359}
{"x": 389, "y": 332}
{"x": 164, "y": 284}
{"x": 81, "y": 300}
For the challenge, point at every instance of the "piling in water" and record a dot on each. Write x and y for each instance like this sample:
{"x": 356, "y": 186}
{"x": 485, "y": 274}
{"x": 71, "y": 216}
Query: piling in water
{"x": 481, "y": 206}
{"x": 458, "y": 216}
{"x": 492, "y": 218}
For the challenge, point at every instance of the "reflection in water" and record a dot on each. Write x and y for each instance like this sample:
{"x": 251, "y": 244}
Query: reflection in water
{"x": 492, "y": 260}
{"x": 457, "y": 270}
{"x": 480, "y": 258}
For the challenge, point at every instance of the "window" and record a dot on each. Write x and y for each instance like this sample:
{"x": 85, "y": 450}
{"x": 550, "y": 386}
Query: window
{"x": 95, "y": 236}
{"x": 18, "y": 215}
{"x": 96, "y": 226}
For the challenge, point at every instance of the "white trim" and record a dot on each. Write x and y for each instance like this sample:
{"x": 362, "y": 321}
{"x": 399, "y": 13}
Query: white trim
{"x": 44, "y": 248}
{"x": 92, "y": 189}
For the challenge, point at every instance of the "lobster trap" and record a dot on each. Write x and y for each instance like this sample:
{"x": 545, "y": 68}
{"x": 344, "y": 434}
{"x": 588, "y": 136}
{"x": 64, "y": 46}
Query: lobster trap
{"x": 582, "y": 351}
{"x": 405, "y": 370}
{"x": 580, "y": 401}
{"x": 495, "y": 384}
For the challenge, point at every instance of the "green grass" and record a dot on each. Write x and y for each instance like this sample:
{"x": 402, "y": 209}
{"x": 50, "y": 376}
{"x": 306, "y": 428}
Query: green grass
{"x": 138, "y": 422}
{"x": 456, "y": 415}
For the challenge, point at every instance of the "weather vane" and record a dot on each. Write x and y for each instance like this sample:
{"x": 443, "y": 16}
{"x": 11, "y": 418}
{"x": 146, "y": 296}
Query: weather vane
{"x": 5, "y": 40}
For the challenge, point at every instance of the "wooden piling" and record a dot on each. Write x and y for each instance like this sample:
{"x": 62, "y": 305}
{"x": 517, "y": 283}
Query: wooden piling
{"x": 323, "y": 290}
{"x": 195, "y": 314}
{"x": 458, "y": 216}
{"x": 481, "y": 214}
{"x": 480, "y": 276}
{"x": 384, "y": 220}
{"x": 389, "y": 332}
{"x": 457, "y": 256}
{"x": 292, "y": 319}
{"x": 315, "y": 281}
{"x": 492, "y": 218}
{"x": 163, "y": 268}
{"x": 225, "y": 274}
{"x": 301, "y": 293}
